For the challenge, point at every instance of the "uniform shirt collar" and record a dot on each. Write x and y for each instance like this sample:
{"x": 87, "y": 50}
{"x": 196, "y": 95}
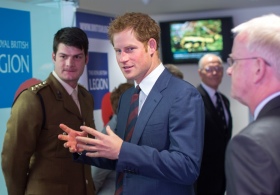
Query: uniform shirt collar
{"x": 67, "y": 87}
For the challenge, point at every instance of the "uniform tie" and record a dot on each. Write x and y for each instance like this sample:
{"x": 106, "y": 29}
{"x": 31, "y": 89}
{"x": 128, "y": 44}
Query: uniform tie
{"x": 76, "y": 99}
{"x": 132, "y": 118}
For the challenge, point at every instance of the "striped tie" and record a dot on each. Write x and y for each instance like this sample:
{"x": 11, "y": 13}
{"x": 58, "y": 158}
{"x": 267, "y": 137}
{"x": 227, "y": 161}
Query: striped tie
{"x": 132, "y": 118}
{"x": 133, "y": 113}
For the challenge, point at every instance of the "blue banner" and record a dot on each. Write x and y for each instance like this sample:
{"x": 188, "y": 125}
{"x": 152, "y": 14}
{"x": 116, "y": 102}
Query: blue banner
{"x": 15, "y": 53}
{"x": 96, "y": 28}
{"x": 98, "y": 77}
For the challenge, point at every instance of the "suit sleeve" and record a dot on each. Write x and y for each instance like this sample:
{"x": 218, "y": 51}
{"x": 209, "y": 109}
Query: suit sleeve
{"x": 99, "y": 175}
{"x": 23, "y": 128}
{"x": 182, "y": 120}
{"x": 249, "y": 168}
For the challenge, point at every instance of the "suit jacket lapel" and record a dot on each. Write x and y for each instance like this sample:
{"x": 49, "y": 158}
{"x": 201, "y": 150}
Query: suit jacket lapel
{"x": 147, "y": 109}
{"x": 122, "y": 116}
{"x": 209, "y": 104}
{"x": 150, "y": 104}
{"x": 207, "y": 101}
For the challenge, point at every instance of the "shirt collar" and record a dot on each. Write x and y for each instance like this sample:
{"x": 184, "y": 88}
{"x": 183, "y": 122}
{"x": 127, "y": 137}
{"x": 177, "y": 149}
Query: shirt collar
{"x": 148, "y": 82}
{"x": 67, "y": 87}
{"x": 211, "y": 92}
{"x": 263, "y": 103}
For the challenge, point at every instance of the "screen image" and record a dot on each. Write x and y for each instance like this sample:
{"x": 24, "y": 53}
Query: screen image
{"x": 195, "y": 37}
{"x": 187, "y": 41}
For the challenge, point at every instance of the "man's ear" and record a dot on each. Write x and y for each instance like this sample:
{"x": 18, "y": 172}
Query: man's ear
{"x": 53, "y": 57}
{"x": 259, "y": 69}
{"x": 152, "y": 46}
{"x": 199, "y": 72}
{"x": 87, "y": 59}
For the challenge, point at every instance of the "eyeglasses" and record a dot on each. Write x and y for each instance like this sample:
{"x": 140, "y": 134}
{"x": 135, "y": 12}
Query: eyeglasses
{"x": 231, "y": 61}
{"x": 211, "y": 69}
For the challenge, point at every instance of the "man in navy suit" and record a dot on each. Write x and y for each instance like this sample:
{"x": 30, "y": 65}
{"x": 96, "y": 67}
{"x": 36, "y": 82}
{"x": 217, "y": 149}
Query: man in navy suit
{"x": 164, "y": 154}
{"x": 212, "y": 179}
{"x": 253, "y": 155}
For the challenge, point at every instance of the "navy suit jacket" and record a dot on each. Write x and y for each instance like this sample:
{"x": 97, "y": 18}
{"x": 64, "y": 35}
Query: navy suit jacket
{"x": 253, "y": 155}
{"x": 165, "y": 151}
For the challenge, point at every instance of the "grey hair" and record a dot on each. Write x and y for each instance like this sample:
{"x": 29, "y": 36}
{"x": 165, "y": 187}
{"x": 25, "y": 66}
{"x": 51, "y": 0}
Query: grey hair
{"x": 263, "y": 37}
{"x": 200, "y": 62}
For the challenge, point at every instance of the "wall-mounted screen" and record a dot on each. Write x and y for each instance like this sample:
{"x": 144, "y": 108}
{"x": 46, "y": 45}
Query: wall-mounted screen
{"x": 186, "y": 41}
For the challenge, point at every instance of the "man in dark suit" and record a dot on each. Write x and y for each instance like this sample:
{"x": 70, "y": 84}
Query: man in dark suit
{"x": 34, "y": 161}
{"x": 164, "y": 153}
{"x": 211, "y": 180}
{"x": 253, "y": 155}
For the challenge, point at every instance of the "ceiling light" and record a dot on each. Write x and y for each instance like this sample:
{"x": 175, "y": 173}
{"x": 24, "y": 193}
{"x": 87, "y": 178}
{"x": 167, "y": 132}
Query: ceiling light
{"x": 146, "y": 1}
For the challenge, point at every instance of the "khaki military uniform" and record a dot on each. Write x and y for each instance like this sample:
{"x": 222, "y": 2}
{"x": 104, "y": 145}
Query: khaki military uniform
{"x": 34, "y": 161}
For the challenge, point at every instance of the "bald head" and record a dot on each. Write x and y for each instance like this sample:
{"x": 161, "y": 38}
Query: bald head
{"x": 210, "y": 70}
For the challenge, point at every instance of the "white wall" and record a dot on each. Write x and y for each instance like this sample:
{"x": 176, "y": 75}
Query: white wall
{"x": 240, "y": 113}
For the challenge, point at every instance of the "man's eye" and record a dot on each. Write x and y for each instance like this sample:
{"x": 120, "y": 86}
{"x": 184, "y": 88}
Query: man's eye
{"x": 129, "y": 49}
{"x": 78, "y": 57}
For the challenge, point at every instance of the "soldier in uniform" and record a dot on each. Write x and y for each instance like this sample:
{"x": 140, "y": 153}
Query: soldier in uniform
{"x": 34, "y": 161}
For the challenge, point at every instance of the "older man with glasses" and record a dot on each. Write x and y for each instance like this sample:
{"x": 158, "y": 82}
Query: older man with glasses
{"x": 253, "y": 155}
{"x": 218, "y": 127}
